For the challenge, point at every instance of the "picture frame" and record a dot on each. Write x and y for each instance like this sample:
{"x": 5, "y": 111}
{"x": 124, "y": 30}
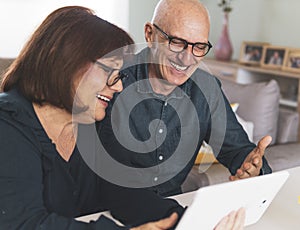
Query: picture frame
{"x": 251, "y": 52}
{"x": 292, "y": 60}
{"x": 273, "y": 56}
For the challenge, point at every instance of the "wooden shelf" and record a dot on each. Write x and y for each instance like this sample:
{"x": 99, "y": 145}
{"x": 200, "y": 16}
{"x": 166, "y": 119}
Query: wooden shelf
{"x": 277, "y": 72}
{"x": 252, "y": 68}
{"x": 287, "y": 102}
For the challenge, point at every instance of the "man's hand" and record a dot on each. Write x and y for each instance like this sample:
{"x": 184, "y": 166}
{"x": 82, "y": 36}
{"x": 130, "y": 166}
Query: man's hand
{"x": 163, "y": 224}
{"x": 253, "y": 162}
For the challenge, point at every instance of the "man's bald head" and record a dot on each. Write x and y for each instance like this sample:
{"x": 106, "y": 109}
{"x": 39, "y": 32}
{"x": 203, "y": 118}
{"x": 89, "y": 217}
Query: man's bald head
{"x": 174, "y": 11}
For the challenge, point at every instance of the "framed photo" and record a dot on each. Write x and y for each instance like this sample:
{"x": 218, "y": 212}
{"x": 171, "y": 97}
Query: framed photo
{"x": 251, "y": 52}
{"x": 292, "y": 60}
{"x": 273, "y": 57}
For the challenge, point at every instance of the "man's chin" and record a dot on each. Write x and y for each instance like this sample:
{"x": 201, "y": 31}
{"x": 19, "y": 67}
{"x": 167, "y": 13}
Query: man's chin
{"x": 177, "y": 79}
{"x": 179, "y": 82}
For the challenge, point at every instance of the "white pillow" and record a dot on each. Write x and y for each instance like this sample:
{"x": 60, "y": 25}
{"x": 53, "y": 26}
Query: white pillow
{"x": 248, "y": 126}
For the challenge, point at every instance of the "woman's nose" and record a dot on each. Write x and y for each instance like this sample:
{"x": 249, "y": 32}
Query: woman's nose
{"x": 118, "y": 86}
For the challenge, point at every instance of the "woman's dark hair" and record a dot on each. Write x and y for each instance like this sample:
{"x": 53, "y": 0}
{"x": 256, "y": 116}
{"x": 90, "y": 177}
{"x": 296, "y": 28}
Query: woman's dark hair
{"x": 59, "y": 51}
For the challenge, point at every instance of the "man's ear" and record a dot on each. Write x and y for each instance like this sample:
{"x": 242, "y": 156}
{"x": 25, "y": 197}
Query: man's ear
{"x": 148, "y": 30}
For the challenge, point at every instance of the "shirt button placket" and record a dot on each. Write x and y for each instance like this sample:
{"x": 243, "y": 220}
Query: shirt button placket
{"x": 75, "y": 192}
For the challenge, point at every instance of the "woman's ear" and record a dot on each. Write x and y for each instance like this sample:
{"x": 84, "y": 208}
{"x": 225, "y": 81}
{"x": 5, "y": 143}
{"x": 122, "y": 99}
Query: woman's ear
{"x": 148, "y": 29}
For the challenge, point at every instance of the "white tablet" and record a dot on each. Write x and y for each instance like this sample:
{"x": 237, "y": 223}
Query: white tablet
{"x": 213, "y": 202}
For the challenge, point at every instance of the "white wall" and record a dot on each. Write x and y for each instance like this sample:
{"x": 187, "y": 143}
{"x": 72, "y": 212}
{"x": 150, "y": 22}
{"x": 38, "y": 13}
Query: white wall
{"x": 140, "y": 12}
{"x": 273, "y": 21}
{"x": 19, "y": 18}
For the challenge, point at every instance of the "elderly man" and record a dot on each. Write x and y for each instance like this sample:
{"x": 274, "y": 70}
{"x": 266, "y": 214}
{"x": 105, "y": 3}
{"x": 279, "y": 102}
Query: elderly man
{"x": 169, "y": 106}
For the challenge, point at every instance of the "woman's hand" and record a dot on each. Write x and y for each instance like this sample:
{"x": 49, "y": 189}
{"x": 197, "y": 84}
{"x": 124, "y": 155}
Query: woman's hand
{"x": 159, "y": 225}
{"x": 233, "y": 221}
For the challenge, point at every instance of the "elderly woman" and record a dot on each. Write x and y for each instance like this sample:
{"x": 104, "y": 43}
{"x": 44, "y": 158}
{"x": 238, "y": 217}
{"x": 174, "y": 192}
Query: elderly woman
{"x": 44, "y": 182}
{"x": 65, "y": 76}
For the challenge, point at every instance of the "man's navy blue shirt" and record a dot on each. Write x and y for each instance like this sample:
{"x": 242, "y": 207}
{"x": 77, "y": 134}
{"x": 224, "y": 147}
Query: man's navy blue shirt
{"x": 168, "y": 130}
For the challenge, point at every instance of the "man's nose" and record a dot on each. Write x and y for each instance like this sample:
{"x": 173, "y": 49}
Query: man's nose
{"x": 186, "y": 56}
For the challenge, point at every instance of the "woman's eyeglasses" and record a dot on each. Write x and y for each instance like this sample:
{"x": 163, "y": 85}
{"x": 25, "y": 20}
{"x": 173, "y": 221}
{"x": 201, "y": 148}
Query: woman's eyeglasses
{"x": 112, "y": 79}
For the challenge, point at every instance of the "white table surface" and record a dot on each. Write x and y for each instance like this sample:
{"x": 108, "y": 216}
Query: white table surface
{"x": 283, "y": 213}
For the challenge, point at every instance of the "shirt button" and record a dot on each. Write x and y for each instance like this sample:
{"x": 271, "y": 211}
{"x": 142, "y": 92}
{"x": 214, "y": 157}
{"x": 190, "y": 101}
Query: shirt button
{"x": 161, "y": 157}
{"x": 160, "y": 130}
{"x": 155, "y": 178}
{"x": 166, "y": 103}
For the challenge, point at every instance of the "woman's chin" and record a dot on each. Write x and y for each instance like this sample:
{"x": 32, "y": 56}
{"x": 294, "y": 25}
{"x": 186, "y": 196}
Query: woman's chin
{"x": 99, "y": 117}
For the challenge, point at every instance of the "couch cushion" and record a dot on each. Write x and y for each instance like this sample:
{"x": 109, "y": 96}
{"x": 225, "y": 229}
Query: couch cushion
{"x": 258, "y": 103}
{"x": 4, "y": 64}
{"x": 288, "y": 123}
{"x": 205, "y": 155}
{"x": 283, "y": 156}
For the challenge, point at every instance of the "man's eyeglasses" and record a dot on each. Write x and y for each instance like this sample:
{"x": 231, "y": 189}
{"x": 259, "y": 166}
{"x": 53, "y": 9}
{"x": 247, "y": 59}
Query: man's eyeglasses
{"x": 111, "y": 78}
{"x": 177, "y": 45}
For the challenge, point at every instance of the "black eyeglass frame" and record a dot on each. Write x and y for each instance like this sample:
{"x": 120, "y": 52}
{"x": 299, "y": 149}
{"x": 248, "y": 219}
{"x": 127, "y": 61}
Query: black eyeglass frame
{"x": 185, "y": 42}
{"x": 110, "y": 71}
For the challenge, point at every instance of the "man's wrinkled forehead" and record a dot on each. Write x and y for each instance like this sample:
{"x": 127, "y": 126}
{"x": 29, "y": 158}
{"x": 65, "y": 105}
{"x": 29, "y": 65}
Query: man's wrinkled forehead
{"x": 181, "y": 13}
